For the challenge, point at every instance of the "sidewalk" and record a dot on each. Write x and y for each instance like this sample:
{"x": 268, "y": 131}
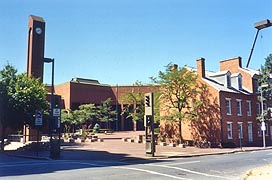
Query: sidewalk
{"x": 113, "y": 148}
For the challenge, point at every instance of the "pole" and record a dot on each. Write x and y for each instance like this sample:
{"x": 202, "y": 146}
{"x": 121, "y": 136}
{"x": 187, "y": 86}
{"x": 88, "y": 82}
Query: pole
{"x": 262, "y": 118}
{"x": 252, "y": 48}
{"x": 51, "y": 112}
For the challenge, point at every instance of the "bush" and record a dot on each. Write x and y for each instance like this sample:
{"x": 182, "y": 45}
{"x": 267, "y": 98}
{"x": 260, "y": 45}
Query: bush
{"x": 228, "y": 144}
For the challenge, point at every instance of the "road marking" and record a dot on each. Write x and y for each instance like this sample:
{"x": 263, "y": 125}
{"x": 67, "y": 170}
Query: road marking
{"x": 190, "y": 171}
{"x": 152, "y": 172}
{"x": 181, "y": 163}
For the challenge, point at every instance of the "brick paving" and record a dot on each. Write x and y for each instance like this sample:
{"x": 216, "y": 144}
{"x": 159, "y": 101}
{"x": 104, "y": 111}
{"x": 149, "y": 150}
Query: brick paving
{"x": 113, "y": 148}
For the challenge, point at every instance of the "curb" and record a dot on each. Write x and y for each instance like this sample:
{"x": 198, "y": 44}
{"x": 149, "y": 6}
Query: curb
{"x": 28, "y": 157}
{"x": 158, "y": 157}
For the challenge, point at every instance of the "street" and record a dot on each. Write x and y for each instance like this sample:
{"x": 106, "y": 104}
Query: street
{"x": 227, "y": 166}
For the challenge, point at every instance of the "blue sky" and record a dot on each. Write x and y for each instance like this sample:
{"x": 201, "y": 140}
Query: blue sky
{"x": 122, "y": 41}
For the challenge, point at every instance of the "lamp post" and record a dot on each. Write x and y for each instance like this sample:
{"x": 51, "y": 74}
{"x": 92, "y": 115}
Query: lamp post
{"x": 258, "y": 25}
{"x": 263, "y": 128}
{"x": 50, "y": 60}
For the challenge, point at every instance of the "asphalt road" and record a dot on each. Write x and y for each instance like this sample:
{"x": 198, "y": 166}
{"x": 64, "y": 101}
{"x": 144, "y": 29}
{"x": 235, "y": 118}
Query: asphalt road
{"x": 228, "y": 166}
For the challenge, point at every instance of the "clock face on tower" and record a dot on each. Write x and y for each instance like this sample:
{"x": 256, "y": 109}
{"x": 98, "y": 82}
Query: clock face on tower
{"x": 38, "y": 30}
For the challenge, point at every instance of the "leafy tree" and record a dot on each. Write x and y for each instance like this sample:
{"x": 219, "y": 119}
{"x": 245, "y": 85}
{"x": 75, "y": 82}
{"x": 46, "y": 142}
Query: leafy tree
{"x": 179, "y": 91}
{"x": 20, "y": 96}
{"x": 105, "y": 113}
{"x": 69, "y": 119}
{"x": 135, "y": 107}
{"x": 7, "y": 76}
{"x": 265, "y": 84}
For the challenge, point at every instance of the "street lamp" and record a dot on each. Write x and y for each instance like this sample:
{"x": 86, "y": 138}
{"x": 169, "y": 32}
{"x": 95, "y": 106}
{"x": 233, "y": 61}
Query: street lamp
{"x": 51, "y": 60}
{"x": 258, "y": 25}
{"x": 263, "y": 128}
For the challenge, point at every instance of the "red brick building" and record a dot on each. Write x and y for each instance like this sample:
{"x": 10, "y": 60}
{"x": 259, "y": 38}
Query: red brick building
{"x": 230, "y": 107}
{"x": 85, "y": 91}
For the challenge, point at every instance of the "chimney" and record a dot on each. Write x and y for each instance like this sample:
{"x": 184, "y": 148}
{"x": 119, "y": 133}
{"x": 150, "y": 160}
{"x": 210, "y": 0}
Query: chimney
{"x": 231, "y": 65}
{"x": 201, "y": 67}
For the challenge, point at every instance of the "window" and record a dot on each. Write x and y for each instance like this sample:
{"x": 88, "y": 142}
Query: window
{"x": 228, "y": 80}
{"x": 248, "y": 108}
{"x": 259, "y": 130}
{"x": 240, "y": 86}
{"x": 264, "y": 106}
{"x": 250, "y": 133}
{"x": 229, "y": 126}
{"x": 228, "y": 106}
{"x": 258, "y": 108}
{"x": 266, "y": 129}
{"x": 239, "y": 107}
{"x": 256, "y": 86}
{"x": 240, "y": 130}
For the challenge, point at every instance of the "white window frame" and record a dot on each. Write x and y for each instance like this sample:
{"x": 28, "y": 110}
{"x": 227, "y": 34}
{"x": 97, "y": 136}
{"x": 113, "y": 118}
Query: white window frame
{"x": 258, "y": 108}
{"x": 248, "y": 108}
{"x": 230, "y": 130}
{"x": 260, "y": 133}
{"x": 228, "y": 80}
{"x": 240, "y": 130}
{"x": 266, "y": 129}
{"x": 239, "y": 107}
{"x": 250, "y": 132}
{"x": 264, "y": 106}
{"x": 228, "y": 106}
{"x": 240, "y": 82}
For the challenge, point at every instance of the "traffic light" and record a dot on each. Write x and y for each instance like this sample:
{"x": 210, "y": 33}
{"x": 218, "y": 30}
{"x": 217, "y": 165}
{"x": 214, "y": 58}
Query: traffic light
{"x": 147, "y": 100}
{"x": 148, "y": 120}
{"x": 57, "y": 102}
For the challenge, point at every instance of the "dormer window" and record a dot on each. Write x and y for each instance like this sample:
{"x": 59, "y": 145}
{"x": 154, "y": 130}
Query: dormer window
{"x": 240, "y": 85}
{"x": 228, "y": 80}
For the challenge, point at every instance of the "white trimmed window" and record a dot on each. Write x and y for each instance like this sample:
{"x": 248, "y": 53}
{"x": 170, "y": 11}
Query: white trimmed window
{"x": 240, "y": 85}
{"x": 264, "y": 106}
{"x": 240, "y": 130}
{"x": 228, "y": 80}
{"x": 239, "y": 107}
{"x": 229, "y": 126}
{"x": 228, "y": 106}
{"x": 248, "y": 108}
{"x": 259, "y": 130}
{"x": 258, "y": 108}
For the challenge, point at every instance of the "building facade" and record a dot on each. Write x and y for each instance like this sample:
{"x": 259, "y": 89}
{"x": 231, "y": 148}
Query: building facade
{"x": 86, "y": 91}
{"x": 230, "y": 107}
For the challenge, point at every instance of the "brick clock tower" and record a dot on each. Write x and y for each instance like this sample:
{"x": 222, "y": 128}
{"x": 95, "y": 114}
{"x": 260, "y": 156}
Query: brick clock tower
{"x": 35, "y": 51}
{"x": 35, "y": 62}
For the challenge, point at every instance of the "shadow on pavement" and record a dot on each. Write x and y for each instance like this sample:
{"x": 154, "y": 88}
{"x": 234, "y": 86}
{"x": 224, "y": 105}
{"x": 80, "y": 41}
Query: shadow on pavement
{"x": 16, "y": 163}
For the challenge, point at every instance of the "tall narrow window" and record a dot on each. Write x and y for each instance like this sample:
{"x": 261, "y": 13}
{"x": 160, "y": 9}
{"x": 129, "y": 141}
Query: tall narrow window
{"x": 228, "y": 106}
{"x": 240, "y": 85}
{"x": 250, "y": 132}
{"x": 248, "y": 108}
{"x": 264, "y": 106}
{"x": 259, "y": 130}
{"x": 229, "y": 126}
{"x": 240, "y": 130}
{"x": 258, "y": 108}
{"x": 228, "y": 80}
{"x": 239, "y": 107}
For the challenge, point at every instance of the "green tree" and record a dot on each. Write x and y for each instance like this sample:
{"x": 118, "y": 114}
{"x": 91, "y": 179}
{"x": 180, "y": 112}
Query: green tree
{"x": 135, "y": 105}
{"x": 20, "y": 96}
{"x": 69, "y": 120}
{"x": 179, "y": 91}
{"x": 265, "y": 84}
{"x": 105, "y": 113}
